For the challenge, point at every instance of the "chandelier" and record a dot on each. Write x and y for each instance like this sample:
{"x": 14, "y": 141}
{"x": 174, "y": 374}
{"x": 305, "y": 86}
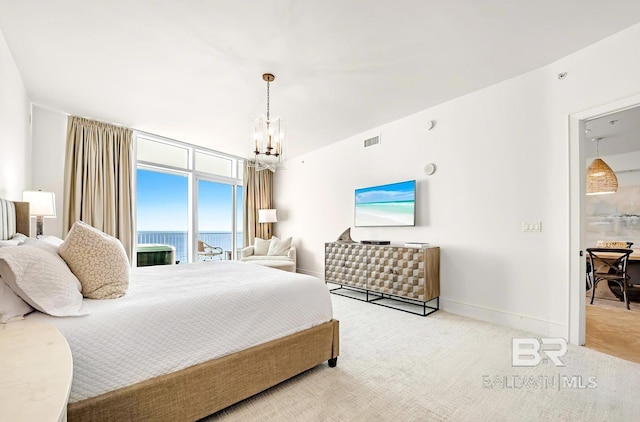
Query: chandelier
{"x": 600, "y": 178}
{"x": 268, "y": 137}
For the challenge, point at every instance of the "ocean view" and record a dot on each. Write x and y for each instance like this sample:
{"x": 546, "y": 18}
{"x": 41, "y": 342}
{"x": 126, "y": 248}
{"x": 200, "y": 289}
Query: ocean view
{"x": 178, "y": 239}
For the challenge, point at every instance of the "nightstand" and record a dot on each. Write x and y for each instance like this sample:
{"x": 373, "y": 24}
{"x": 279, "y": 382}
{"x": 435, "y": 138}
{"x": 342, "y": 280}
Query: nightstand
{"x": 35, "y": 372}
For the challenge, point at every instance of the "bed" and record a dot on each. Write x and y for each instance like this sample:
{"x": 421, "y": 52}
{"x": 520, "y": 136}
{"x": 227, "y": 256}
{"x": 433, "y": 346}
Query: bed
{"x": 188, "y": 381}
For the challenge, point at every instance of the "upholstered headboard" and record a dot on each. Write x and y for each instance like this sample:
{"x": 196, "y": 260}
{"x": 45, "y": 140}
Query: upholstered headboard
{"x": 22, "y": 222}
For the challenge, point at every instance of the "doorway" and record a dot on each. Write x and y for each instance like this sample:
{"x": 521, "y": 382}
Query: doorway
{"x": 604, "y": 325}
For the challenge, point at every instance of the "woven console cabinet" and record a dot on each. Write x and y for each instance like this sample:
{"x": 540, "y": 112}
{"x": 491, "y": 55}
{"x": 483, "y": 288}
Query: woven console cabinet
{"x": 395, "y": 276}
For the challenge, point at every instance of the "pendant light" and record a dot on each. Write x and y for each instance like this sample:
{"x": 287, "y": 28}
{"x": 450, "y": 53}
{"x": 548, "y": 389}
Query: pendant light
{"x": 268, "y": 138}
{"x": 600, "y": 178}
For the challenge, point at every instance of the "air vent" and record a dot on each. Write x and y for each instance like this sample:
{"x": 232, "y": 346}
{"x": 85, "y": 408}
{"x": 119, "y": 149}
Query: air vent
{"x": 371, "y": 141}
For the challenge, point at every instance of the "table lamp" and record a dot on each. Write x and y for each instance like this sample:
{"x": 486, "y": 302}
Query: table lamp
{"x": 267, "y": 216}
{"x": 41, "y": 205}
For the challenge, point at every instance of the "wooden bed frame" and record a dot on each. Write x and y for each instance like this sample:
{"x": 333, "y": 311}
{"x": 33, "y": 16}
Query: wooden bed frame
{"x": 201, "y": 390}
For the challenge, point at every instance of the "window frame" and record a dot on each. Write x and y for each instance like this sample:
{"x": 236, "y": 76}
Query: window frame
{"x": 236, "y": 179}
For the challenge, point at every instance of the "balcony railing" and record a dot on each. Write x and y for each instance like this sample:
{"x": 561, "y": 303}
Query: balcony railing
{"x": 179, "y": 241}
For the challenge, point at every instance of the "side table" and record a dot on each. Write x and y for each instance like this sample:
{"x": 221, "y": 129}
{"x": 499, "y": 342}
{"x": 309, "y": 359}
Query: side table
{"x": 36, "y": 369}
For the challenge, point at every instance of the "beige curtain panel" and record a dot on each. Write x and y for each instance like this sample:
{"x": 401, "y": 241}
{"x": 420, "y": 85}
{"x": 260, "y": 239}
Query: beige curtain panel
{"x": 98, "y": 179}
{"x": 258, "y": 188}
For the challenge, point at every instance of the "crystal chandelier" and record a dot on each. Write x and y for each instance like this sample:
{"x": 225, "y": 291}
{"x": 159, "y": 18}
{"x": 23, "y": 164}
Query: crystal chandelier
{"x": 268, "y": 137}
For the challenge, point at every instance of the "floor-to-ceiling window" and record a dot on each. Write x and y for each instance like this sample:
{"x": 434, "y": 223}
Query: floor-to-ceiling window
{"x": 215, "y": 215}
{"x": 162, "y": 212}
{"x": 188, "y": 197}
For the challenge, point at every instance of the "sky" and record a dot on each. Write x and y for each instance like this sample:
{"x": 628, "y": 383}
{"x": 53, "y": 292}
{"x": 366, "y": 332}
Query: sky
{"x": 403, "y": 191}
{"x": 162, "y": 203}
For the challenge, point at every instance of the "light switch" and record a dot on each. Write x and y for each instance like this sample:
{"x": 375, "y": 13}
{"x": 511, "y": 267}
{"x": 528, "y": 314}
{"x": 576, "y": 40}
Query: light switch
{"x": 534, "y": 226}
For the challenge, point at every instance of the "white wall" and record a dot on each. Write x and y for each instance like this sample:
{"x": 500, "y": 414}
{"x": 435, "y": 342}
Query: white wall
{"x": 15, "y": 132}
{"x": 49, "y": 140}
{"x": 626, "y": 167}
{"x": 503, "y": 158}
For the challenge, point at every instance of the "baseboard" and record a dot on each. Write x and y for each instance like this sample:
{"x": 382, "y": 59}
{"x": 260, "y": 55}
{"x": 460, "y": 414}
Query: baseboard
{"x": 521, "y": 322}
{"x": 313, "y": 273}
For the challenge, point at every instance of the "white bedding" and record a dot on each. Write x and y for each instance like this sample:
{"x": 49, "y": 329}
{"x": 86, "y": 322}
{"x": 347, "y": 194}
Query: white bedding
{"x": 176, "y": 316}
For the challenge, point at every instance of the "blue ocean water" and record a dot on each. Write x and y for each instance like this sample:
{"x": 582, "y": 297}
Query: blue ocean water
{"x": 401, "y": 207}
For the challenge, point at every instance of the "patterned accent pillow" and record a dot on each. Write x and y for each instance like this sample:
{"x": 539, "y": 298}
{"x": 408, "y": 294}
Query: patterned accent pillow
{"x": 42, "y": 280}
{"x": 279, "y": 247}
{"x": 261, "y": 246}
{"x": 98, "y": 260}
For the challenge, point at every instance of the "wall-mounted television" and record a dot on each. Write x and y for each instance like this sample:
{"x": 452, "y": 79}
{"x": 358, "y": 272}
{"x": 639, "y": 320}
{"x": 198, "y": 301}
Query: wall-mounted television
{"x": 386, "y": 205}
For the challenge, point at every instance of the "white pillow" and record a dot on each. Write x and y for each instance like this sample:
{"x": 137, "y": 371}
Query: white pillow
{"x": 51, "y": 240}
{"x": 42, "y": 280}
{"x": 16, "y": 240}
{"x": 279, "y": 247}
{"x": 261, "y": 246}
{"x": 98, "y": 260}
{"x": 10, "y": 242}
{"x": 11, "y": 306}
{"x": 44, "y": 244}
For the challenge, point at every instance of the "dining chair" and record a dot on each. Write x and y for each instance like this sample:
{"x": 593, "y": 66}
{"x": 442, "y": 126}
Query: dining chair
{"x": 611, "y": 265}
{"x": 589, "y": 280}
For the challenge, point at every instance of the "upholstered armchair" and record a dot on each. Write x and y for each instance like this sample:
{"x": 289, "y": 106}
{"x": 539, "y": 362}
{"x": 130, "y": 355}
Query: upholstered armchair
{"x": 275, "y": 253}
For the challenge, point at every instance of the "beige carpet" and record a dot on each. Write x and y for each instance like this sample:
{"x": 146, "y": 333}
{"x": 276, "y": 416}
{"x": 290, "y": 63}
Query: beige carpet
{"x": 399, "y": 367}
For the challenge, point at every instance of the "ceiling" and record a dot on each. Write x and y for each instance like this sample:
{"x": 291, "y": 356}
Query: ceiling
{"x": 191, "y": 70}
{"x": 619, "y": 133}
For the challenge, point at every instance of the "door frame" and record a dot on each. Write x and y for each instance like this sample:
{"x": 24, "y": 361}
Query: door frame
{"x": 577, "y": 224}
{"x": 233, "y": 184}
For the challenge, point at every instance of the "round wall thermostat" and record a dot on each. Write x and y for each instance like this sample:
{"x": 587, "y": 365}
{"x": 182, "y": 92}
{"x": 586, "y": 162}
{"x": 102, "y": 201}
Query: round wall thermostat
{"x": 429, "y": 169}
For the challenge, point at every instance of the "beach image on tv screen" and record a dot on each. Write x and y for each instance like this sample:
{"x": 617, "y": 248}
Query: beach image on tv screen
{"x": 387, "y": 205}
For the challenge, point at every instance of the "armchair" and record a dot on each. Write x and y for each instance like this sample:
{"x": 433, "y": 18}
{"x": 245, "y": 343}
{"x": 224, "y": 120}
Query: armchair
{"x": 273, "y": 253}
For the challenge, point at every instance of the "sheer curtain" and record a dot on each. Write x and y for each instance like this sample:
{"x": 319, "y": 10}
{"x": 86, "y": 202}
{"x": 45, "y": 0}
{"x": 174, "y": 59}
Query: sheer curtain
{"x": 98, "y": 179}
{"x": 258, "y": 187}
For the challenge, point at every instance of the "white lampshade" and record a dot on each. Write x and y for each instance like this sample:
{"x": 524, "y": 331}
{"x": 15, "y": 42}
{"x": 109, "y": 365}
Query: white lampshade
{"x": 40, "y": 203}
{"x": 267, "y": 216}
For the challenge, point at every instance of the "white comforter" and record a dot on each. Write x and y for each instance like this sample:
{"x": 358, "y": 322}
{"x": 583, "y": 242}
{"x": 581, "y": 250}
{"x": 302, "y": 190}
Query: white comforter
{"x": 176, "y": 316}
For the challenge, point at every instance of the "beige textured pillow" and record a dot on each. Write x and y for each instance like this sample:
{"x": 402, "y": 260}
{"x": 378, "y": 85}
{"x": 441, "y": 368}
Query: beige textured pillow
{"x": 261, "y": 246}
{"x": 279, "y": 247}
{"x": 98, "y": 260}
